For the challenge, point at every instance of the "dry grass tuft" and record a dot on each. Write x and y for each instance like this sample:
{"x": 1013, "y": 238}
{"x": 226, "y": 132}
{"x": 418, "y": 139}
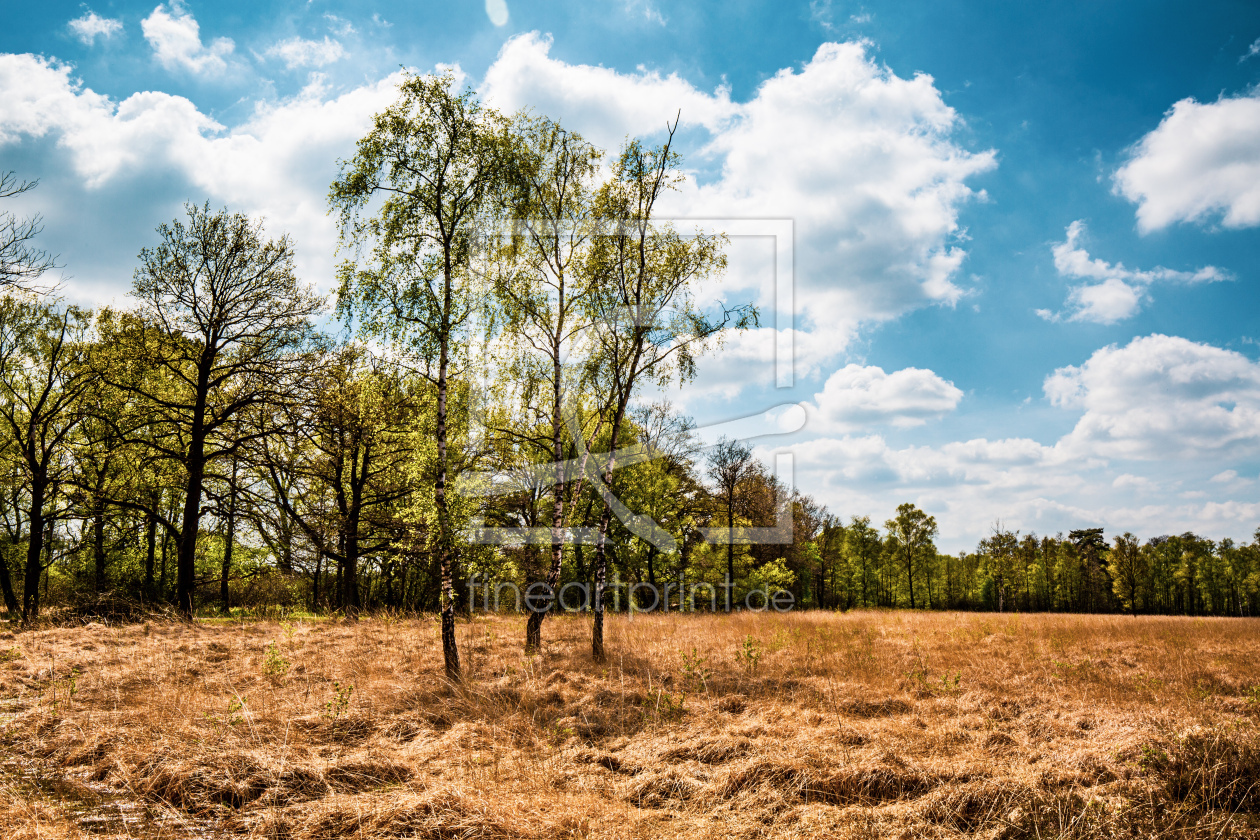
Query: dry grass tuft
{"x": 440, "y": 815}
{"x": 1212, "y": 768}
{"x": 857, "y": 725}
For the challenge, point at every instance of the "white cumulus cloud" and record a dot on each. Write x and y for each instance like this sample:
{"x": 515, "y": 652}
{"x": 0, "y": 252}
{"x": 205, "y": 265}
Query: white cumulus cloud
{"x": 278, "y": 163}
{"x": 175, "y": 37}
{"x": 147, "y": 129}
{"x": 603, "y": 105}
{"x": 1161, "y": 398}
{"x": 861, "y": 159}
{"x": 88, "y": 27}
{"x": 856, "y": 397}
{"x": 1117, "y": 292}
{"x": 864, "y": 162}
{"x": 300, "y": 52}
{"x": 1201, "y": 163}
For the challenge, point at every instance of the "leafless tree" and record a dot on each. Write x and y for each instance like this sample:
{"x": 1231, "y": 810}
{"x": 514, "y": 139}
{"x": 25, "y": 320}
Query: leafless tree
{"x": 20, "y": 261}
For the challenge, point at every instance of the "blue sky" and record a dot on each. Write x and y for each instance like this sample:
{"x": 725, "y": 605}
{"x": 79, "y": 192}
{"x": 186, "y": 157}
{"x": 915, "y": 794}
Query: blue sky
{"x": 1025, "y": 236}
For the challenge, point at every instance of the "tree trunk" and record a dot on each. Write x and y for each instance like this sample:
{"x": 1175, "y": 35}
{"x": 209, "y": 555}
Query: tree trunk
{"x": 6, "y": 584}
{"x": 186, "y": 551}
{"x": 601, "y": 548}
{"x": 601, "y": 577}
{"x": 910, "y": 574}
{"x": 533, "y": 625}
{"x": 44, "y": 567}
{"x": 730, "y": 546}
{"x": 334, "y": 591}
{"x": 34, "y": 551}
{"x": 225, "y": 598}
{"x": 387, "y": 572}
{"x": 350, "y": 599}
{"x": 579, "y": 554}
{"x": 150, "y": 553}
{"x": 319, "y": 557}
{"x": 98, "y": 545}
{"x": 166, "y": 546}
{"x": 450, "y": 649}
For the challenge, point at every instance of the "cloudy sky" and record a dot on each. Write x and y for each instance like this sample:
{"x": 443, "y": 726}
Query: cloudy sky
{"x": 1019, "y": 272}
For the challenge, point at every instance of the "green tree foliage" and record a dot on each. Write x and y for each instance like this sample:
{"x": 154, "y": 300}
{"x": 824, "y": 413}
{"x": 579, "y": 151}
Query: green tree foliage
{"x": 648, "y": 326}
{"x": 544, "y": 289}
{"x": 340, "y": 468}
{"x": 1001, "y": 562}
{"x": 730, "y": 462}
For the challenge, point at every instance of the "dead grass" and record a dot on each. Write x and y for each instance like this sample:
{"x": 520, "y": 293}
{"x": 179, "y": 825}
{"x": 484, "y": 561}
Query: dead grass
{"x": 841, "y": 725}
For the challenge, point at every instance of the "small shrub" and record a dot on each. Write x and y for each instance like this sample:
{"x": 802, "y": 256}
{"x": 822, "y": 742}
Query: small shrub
{"x": 235, "y": 712}
{"x": 340, "y": 702}
{"x": 749, "y": 655}
{"x": 275, "y": 665}
{"x": 669, "y": 706}
{"x": 695, "y": 671}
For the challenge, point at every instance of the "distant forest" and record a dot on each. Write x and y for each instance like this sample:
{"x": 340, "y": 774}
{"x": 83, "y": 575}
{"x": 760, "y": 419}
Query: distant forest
{"x": 225, "y": 443}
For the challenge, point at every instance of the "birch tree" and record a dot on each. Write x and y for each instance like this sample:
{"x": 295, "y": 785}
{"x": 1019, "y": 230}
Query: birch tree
{"x": 410, "y": 207}
{"x": 650, "y": 327}
{"x": 545, "y": 304}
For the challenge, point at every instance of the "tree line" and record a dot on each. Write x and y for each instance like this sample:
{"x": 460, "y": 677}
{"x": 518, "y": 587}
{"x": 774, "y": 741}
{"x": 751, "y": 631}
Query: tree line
{"x": 473, "y": 407}
{"x": 1081, "y": 572}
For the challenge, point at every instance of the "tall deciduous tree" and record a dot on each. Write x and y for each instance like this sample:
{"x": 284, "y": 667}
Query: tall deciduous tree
{"x": 862, "y": 547}
{"x": 12, "y": 519}
{"x": 650, "y": 328}
{"x": 1000, "y": 549}
{"x": 410, "y": 204}
{"x": 910, "y": 535}
{"x": 730, "y": 462}
{"x": 223, "y": 321}
{"x": 1128, "y": 571}
{"x": 1091, "y": 546}
{"x": 346, "y": 448}
{"x": 42, "y": 378}
{"x": 545, "y": 301}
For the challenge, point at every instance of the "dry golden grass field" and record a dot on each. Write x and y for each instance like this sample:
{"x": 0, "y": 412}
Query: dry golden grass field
{"x": 862, "y": 724}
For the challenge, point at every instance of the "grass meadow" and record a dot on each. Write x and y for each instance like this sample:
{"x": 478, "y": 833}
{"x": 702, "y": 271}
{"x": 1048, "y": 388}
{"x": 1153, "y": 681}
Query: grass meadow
{"x": 853, "y": 725}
